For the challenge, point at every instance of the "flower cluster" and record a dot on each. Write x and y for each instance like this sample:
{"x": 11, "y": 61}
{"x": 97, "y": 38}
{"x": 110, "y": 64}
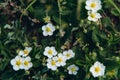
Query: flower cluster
{"x": 57, "y": 60}
{"x": 93, "y": 6}
{"x": 22, "y": 60}
{"x": 98, "y": 69}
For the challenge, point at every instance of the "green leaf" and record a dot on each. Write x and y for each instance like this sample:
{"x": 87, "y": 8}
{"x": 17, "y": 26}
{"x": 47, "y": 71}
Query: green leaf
{"x": 94, "y": 36}
{"x": 66, "y": 12}
{"x": 115, "y": 12}
{"x": 3, "y": 63}
{"x": 7, "y": 76}
{"x": 58, "y": 45}
{"x": 113, "y": 66}
{"x": 106, "y": 21}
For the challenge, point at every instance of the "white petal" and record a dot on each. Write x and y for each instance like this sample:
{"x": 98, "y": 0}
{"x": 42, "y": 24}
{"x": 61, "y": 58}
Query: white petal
{"x": 13, "y": 62}
{"x": 45, "y": 33}
{"x": 50, "y": 33}
{"x": 15, "y": 68}
{"x": 54, "y": 68}
{"x": 53, "y": 29}
{"x": 30, "y": 65}
{"x": 28, "y": 58}
{"x": 49, "y": 25}
{"x": 17, "y": 57}
{"x": 28, "y": 49}
{"x": 26, "y": 68}
{"x": 21, "y": 52}
{"x": 43, "y": 27}
{"x": 91, "y": 69}
{"x": 70, "y": 72}
{"x": 75, "y": 73}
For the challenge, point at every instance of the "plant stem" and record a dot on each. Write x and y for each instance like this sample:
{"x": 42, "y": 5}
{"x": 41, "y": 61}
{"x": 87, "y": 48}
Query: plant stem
{"x": 22, "y": 2}
{"x": 27, "y": 8}
{"x": 60, "y": 22}
{"x": 79, "y": 2}
{"x": 116, "y": 7}
{"x": 30, "y": 5}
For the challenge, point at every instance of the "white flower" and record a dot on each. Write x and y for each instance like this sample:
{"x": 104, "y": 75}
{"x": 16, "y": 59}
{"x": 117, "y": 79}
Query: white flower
{"x": 27, "y": 64}
{"x": 93, "y": 5}
{"x": 93, "y": 16}
{"x": 50, "y": 52}
{"x": 72, "y": 69}
{"x": 61, "y": 60}
{"x": 25, "y": 52}
{"x": 17, "y": 63}
{"x": 98, "y": 69}
{"x": 68, "y": 54}
{"x": 52, "y": 63}
{"x": 48, "y": 29}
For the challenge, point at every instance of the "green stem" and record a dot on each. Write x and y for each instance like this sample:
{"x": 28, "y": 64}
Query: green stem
{"x": 27, "y": 8}
{"x": 22, "y": 2}
{"x": 116, "y": 7}
{"x": 30, "y": 5}
{"x": 79, "y": 2}
{"x": 60, "y": 22}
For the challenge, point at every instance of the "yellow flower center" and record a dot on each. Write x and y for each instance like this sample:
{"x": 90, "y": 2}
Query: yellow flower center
{"x": 73, "y": 69}
{"x": 93, "y": 5}
{"x": 50, "y": 52}
{"x": 26, "y": 52}
{"x": 53, "y": 63}
{"x": 18, "y": 63}
{"x": 92, "y": 15}
{"x": 68, "y": 55}
{"x": 26, "y": 63}
{"x": 97, "y": 69}
{"x": 48, "y": 29}
{"x": 60, "y": 60}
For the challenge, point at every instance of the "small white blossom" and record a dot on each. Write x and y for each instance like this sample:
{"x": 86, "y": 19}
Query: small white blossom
{"x": 48, "y": 29}
{"x": 25, "y": 52}
{"x": 93, "y": 5}
{"x": 69, "y": 54}
{"x": 98, "y": 69}
{"x": 72, "y": 69}
{"x": 52, "y": 63}
{"x": 17, "y": 63}
{"x": 93, "y": 16}
{"x": 61, "y": 60}
{"x": 50, "y": 52}
{"x": 27, "y": 64}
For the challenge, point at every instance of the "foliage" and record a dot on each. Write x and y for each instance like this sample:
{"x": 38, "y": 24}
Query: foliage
{"x": 90, "y": 41}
